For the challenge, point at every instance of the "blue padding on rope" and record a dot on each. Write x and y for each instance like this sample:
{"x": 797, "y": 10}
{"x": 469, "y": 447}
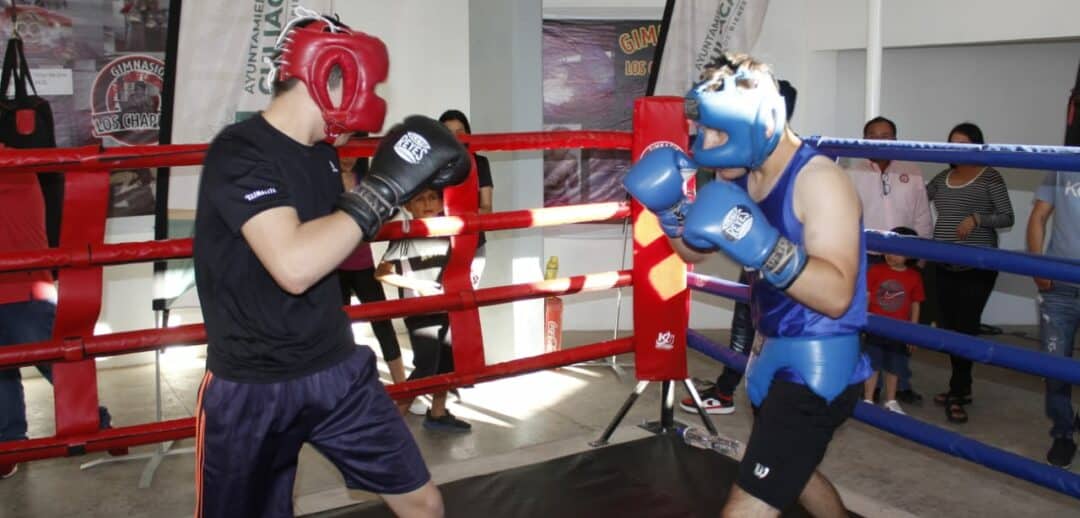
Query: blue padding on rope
{"x": 929, "y": 435}
{"x": 977, "y": 349}
{"x": 717, "y": 286}
{"x": 970, "y": 347}
{"x": 1054, "y": 158}
{"x": 1056, "y": 268}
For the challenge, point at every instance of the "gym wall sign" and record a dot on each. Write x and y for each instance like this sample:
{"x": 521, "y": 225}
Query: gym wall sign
{"x": 126, "y": 100}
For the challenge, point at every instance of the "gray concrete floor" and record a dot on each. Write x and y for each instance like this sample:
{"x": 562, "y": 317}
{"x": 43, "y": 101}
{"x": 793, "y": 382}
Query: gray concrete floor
{"x": 530, "y": 418}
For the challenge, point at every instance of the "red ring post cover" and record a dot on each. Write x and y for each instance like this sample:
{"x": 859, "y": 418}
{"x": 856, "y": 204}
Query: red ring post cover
{"x": 661, "y": 300}
{"x": 468, "y": 340}
{"x": 86, "y": 200}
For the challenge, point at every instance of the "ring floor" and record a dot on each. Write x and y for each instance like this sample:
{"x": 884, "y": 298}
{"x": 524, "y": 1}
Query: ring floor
{"x": 544, "y": 415}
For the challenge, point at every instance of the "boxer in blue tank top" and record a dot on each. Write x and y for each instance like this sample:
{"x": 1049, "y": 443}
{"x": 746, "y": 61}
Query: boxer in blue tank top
{"x": 791, "y": 217}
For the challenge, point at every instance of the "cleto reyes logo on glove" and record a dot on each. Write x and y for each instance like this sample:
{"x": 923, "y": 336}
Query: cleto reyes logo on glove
{"x": 737, "y": 223}
{"x": 412, "y": 148}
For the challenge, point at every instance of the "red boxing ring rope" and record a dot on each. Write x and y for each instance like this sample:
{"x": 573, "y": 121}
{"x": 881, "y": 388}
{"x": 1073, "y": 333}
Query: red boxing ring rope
{"x": 113, "y": 254}
{"x": 659, "y": 279}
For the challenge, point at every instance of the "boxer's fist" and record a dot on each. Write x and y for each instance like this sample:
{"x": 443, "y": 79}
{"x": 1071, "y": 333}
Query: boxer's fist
{"x": 417, "y": 153}
{"x": 725, "y": 218}
{"x": 657, "y": 182}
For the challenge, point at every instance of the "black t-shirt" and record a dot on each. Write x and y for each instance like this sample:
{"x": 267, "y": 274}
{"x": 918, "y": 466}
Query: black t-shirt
{"x": 256, "y": 331}
{"x": 483, "y": 174}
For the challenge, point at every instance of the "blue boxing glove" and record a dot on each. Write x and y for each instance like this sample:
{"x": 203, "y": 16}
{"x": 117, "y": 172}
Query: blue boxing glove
{"x": 825, "y": 363}
{"x": 725, "y": 218}
{"x": 657, "y": 182}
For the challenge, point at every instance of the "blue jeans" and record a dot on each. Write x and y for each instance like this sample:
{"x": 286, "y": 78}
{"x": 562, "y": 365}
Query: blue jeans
{"x": 20, "y": 323}
{"x": 1059, "y": 314}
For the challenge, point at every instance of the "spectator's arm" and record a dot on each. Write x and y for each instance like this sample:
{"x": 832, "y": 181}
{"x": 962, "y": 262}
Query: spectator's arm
{"x": 485, "y": 200}
{"x": 924, "y": 222}
{"x": 1002, "y": 215}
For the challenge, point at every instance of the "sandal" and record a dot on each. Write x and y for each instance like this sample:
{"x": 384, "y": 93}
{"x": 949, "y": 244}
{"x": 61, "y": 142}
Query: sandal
{"x": 944, "y": 397}
{"x": 955, "y": 412}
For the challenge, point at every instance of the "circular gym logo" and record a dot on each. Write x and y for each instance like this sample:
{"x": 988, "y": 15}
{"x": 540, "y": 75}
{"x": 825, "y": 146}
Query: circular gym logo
{"x": 126, "y": 100}
{"x": 660, "y": 144}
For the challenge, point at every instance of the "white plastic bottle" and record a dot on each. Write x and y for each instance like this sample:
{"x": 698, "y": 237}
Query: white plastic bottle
{"x": 700, "y": 438}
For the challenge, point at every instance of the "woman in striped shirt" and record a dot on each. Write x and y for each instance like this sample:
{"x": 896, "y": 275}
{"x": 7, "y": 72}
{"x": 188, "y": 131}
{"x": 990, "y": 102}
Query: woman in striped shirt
{"x": 971, "y": 202}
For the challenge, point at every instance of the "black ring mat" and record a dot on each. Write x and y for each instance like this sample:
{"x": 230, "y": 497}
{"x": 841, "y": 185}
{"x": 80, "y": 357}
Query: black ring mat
{"x": 657, "y": 476}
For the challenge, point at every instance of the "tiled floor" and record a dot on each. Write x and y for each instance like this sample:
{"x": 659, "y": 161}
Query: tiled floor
{"x": 533, "y": 417}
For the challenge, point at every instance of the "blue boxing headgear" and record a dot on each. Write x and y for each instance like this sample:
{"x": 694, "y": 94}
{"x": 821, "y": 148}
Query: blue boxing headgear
{"x": 744, "y": 114}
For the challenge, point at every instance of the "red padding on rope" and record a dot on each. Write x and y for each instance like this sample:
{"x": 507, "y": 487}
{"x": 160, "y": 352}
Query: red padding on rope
{"x": 127, "y": 436}
{"x": 92, "y": 158}
{"x": 529, "y": 141}
{"x": 121, "y": 253}
{"x": 512, "y": 368}
{"x": 103, "y": 440}
{"x": 194, "y": 334}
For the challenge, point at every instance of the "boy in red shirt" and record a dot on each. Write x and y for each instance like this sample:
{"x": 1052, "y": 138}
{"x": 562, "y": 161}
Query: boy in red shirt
{"x": 895, "y": 291}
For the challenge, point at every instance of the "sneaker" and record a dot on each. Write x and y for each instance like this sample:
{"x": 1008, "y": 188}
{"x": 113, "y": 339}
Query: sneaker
{"x": 1061, "y": 452}
{"x": 418, "y": 407}
{"x": 909, "y": 397}
{"x": 892, "y": 406}
{"x": 8, "y": 470}
{"x": 446, "y": 423}
{"x": 712, "y": 401}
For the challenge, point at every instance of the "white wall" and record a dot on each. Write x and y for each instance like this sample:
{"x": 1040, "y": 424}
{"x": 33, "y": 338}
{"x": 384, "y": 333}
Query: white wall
{"x": 428, "y": 44}
{"x": 841, "y": 24}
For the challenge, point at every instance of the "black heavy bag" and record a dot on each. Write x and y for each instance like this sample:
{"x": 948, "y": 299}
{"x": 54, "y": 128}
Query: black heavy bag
{"x": 26, "y": 121}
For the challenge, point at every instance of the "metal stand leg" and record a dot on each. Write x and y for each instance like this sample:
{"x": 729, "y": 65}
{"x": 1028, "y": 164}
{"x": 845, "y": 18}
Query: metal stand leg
{"x": 164, "y": 449}
{"x": 666, "y": 424}
{"x": 603, "y": 440}
{"x": 612, "y": 362}
{"x": 705, "y": 419}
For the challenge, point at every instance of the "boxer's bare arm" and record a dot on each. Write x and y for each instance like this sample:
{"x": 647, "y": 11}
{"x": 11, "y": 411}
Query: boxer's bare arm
{"x": 829, "y": 209}
{"x": 296, "y": 254}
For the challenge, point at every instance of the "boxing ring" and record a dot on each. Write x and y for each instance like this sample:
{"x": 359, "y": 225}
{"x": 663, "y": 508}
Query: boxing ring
{"x": 660, "y": 282}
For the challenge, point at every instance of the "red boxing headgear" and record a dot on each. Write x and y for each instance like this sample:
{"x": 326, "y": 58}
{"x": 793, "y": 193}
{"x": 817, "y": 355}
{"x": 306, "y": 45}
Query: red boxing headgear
{"x": 311, "y": 51}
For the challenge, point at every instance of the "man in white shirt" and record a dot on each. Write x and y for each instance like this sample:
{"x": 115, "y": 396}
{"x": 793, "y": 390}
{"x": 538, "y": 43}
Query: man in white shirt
{"x": 893, "y": 195}
{"x": 892, "y": 191}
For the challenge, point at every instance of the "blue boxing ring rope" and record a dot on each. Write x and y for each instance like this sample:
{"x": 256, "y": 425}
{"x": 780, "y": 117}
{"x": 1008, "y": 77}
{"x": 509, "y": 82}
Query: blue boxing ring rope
{"x": 973, "y": 348}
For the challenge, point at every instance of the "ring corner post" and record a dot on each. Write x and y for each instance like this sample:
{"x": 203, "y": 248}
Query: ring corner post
{"x": 661, "y": 299}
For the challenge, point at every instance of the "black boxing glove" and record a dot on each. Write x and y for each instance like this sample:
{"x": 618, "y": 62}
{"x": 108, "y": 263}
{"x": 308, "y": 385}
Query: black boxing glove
{"x": 417, "y": 153}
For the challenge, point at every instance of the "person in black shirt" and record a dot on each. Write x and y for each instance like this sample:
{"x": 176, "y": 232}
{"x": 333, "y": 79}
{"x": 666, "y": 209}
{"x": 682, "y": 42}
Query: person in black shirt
{"x": 458, "y": 123}
{"x": 272, "y": 224}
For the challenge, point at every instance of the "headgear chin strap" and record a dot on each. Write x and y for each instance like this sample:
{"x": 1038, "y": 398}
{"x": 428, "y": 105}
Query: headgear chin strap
{"x": 311, "y": 51}
{"x": 744, "y": 114}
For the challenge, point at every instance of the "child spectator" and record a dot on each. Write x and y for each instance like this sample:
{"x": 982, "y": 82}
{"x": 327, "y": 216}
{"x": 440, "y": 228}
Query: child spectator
{"x": 895, "y": 290}
{"x": 415, "y": 267}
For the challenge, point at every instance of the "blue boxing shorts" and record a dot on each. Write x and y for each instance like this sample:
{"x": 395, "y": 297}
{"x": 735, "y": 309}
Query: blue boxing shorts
{"x": 249, "y": 436}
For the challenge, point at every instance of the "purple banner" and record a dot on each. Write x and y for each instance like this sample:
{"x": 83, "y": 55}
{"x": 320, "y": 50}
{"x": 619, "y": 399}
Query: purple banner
{"x": 593, "y": 71}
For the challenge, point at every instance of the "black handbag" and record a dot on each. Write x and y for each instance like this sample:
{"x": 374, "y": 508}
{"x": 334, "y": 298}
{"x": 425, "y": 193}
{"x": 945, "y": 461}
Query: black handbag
{"x": 26, "y": 121}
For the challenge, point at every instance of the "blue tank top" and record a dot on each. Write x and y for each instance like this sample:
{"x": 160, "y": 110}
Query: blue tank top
{"x": 774, "y": 313}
